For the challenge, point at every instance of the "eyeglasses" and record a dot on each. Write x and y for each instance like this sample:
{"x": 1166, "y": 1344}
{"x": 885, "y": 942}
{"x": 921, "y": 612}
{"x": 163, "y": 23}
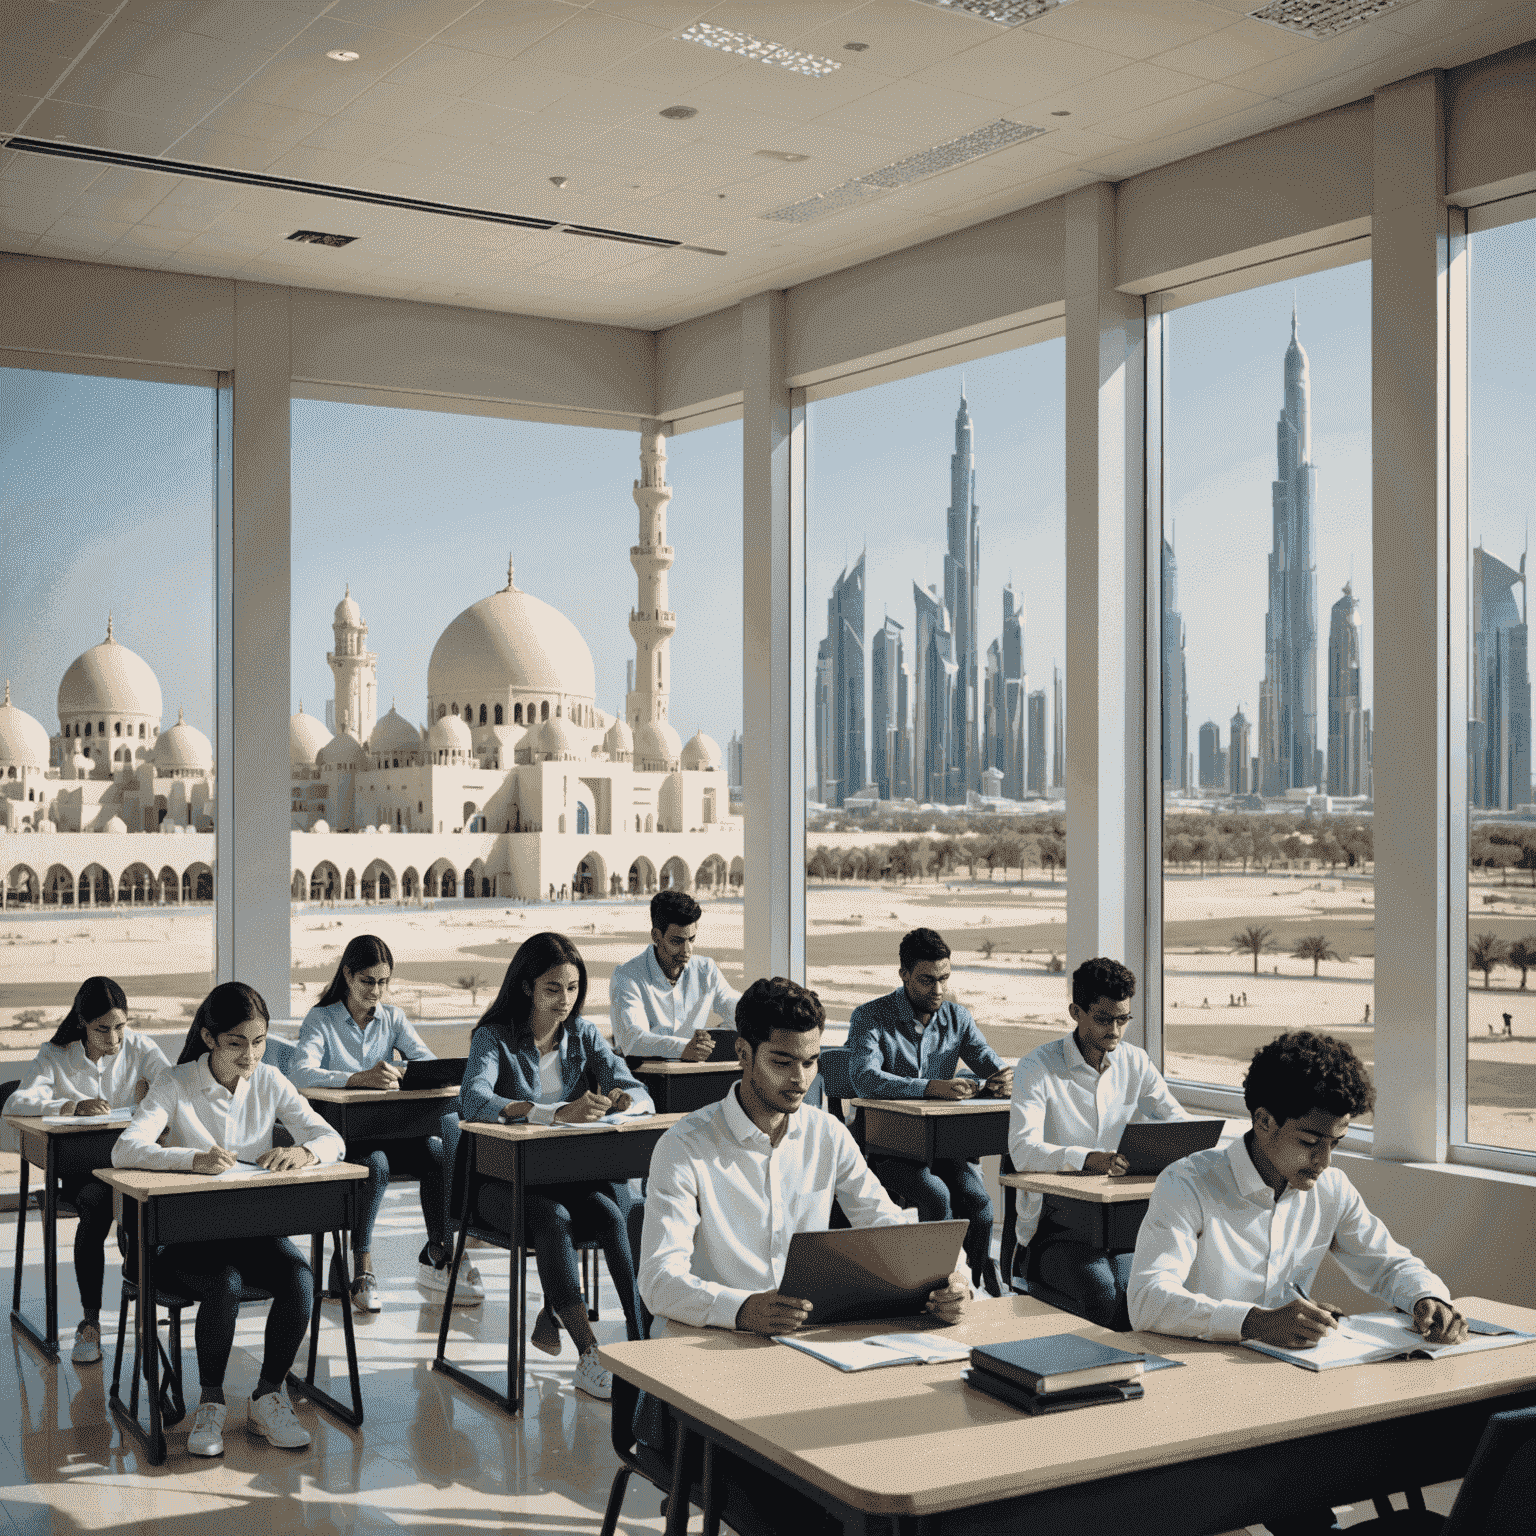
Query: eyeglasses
{"x": 1106, "y": 1020}
{"x": 372, "y": 983}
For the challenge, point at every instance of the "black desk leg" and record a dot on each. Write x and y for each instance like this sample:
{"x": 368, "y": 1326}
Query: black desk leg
{"x": 517, "y": 1294}
{"x": 48, "y": 1339}
{"x": 711, "y": 1492}
{"x": 306, "y": 1387}
{"x": 678, "y": 1507}
{"x": 153, "y": 1442}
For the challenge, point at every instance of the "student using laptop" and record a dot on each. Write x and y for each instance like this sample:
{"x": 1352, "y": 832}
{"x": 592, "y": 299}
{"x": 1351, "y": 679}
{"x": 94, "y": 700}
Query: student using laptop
{"x": 1072, "y": 1098}
{"x": 909, "y": 1044}
{"x": 1233, "y": 1237}
{"x": 731, "y": 1183}
{"x": 660, "y": 1002}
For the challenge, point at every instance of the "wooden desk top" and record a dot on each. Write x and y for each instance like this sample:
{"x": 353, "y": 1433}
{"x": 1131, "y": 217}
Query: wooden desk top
{"x": 1095, "y": 1188}
{"x": 144, "y": 1183}
{"x": 522, "y": 1132}
{"x": 935, "y": 1106}
{"x": 377, "y": 1095}
{"x": 77, "y": 1124}
{"x": 685, "y": 1068}
{"x": 914, "y": 1440}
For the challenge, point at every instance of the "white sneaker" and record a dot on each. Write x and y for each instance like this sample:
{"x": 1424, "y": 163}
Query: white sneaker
{"x": 207, "y": 1437}
{"x": 470, "y": 1290}
{"x": 592, "y": 1379}
{"x": 273, "y": 1417}
{"x": 87, "y": 1350}
{"x": 365, "y": 1292}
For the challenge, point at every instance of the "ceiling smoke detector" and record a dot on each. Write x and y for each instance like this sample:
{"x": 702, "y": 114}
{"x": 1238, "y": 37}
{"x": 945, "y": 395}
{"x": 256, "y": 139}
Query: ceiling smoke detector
{"x": 1320, "y": 19}
{"x": 317, "y": 237}
{"x": 344, "y": 55}
{"x": 765, "y": 52}
{"x": 1005, "y": 13}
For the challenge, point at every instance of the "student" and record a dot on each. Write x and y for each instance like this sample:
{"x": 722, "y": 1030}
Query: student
{"x": 1072, "y": 1098}
{"x": 660, "y": 1002}
{"x": 215, "y": 1107}
{"x": 348, "y": 1040}
{"x": 534, "y": 1058}
{"x": 1233, "y": 1237}
{"x": 93, "y": 1063}
{"x": 909, "y": 1045}
{"x": 731, "y": 1183}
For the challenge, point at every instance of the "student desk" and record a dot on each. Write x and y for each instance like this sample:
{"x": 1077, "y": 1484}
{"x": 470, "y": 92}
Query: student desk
{"x": 381, "y": 1114}
{"x": 922, "y": 1130}
{"x": 524, "y": 1157}
{"x": 1231, "y": 1438}
{"x": 679, "y": 1086}
{"x": 197, "y": 1208}
{"x": 1102, "y": 1211}
{"x": 61, "y": 1151}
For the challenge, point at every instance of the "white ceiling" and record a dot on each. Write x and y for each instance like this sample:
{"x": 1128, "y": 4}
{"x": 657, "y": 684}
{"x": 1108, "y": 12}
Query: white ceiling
{"x": 480, "y": 102}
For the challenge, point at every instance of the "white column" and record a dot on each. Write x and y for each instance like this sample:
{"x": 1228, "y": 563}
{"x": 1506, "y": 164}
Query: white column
{"x": 1106, "y": 533}
{"x": 253, "y": 682}
{"x": 773, "y": 647}
{"x": 1417, "y": 936}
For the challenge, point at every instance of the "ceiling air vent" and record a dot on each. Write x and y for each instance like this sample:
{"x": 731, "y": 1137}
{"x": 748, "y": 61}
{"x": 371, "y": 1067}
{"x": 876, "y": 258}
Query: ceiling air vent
{"x": 1006, "y": 13}
{"x": 316, "y": 237}
{"x": 1320, "y": 19}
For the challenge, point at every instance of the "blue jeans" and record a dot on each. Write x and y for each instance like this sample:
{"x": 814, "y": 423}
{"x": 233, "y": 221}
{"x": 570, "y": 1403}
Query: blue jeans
{"x": 1090, "y": 1282}
{"x": 430, "y": 1159}
{"x": 948, "y": 1191}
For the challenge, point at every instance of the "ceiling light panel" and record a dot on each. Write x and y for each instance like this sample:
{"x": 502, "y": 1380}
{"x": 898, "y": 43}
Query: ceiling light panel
{"x": 765, "y": 52}
{"x": 1006, "y": 13}
{"x": 1319, "y": 19}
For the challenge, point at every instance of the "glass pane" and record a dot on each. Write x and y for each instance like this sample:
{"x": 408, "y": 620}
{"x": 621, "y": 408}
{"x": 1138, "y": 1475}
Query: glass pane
{"x": 1501, "y": 843}
{"x": 936, "y": 539}
{"x": 1268, "y": 894}
{"x": 485, "y": 720}
{"x": 106, "y": 757}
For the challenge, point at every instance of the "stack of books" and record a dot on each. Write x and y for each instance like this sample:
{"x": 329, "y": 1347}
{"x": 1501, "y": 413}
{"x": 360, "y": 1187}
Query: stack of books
{"x": 1060, "y": 1371}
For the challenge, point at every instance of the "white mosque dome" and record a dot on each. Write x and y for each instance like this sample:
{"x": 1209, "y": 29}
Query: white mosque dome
{"x": 109, "y": 679}
{"x": 23, "y": 740}
{"x": 183, "y": 749}
{"x": 347, "y": 611}
{"x": 555, "y": 740}
{"x": 343, "y": 750}
{"x": 306, "y": 736}
{"x": 449, "y": 734}
{"x": 701, "y": 753}
{"x": 619, "y": 739}
{"x": 394, "y": 733}
{"x": 117, "y": 824}
{"x": 657, "y": 742}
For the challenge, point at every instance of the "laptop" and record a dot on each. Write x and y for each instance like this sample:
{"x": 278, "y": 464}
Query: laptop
{"x": 445, "y": 1072}
{"x": 1151, "y": 1145}
{"x": 865, "y": 1273}
{"x": 725, "y": 1045}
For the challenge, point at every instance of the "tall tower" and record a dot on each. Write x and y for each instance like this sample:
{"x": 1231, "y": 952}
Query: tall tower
{"x": 1499, "y": 731}
{"x": 1346, "y": 723}
{"x": 355, "y": 669}
{"x": 933, "y": 708}
{"x": 1015, "y": 692}
{"x": 962, "y": 573}
{"x": 1239, "y": 761}
{"x": 1210, "y": 755}
{"x": 652, "y": 622}
{"x": 1175, "y": 686}
{"x": 840, "y": 690}
{"x": 1288, "y": 696}
{"x": 887, "y": 708}
{"x": 1037, "y": 758}
{"x": 1058, "y": 732}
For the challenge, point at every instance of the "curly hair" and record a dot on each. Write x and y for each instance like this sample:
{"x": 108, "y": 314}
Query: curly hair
{"x": 1302, "y": 1071}
{"x": 1102, "y": 977}
{"x": 776, "y": 1002}
{"x": 922, "y": 944}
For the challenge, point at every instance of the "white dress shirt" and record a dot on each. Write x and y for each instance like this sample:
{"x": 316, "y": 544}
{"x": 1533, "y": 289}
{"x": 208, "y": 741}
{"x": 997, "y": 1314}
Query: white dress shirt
{"x": 652, "y": 1016}
{"x": 332, "y": 1045}
{"x": 200, "y": 1113}
{"x": 1216, "y": 1243}
{"x": 65, "y": 1074}
{"x": 1063, "y": 1110}
{"x": 723, "y": 1203}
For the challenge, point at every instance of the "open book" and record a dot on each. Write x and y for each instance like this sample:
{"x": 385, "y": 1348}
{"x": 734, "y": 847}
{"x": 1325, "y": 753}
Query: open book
{"x": 886, "y": 1349}
{"x": 1386, "y": 1336}
{"x": 606, "y": 1123}
{"x": 112, "y": 1117}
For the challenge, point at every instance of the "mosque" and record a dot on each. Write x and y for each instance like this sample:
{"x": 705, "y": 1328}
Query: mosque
{"x": 516, "y": 785}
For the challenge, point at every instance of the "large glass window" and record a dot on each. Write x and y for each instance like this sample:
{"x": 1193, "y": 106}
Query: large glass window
{"x": 516, "y": 674}
{"x": 1268, "y": 898}
{"x": 1501, "y": 843}
{"x": 935, "y": 571}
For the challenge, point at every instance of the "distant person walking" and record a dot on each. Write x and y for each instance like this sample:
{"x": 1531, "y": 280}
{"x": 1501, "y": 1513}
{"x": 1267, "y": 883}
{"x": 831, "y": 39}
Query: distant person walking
{"x": 1367, "y": 1018}
{"x": 1509, "y": 1026}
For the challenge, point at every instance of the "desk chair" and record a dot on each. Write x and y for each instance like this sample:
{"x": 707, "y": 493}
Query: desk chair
{"x": 837, "y": 1085}
{"x": 279, "y": 1054}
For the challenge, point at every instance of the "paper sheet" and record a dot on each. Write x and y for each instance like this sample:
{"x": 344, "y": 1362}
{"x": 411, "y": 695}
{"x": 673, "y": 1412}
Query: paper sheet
{"x": 886, "y": 1349}
{"x": 112, "y": 1117}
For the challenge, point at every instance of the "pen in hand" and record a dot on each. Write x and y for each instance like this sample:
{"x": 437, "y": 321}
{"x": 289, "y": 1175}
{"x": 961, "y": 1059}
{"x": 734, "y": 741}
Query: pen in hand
{"x": 1333, "y": 1312}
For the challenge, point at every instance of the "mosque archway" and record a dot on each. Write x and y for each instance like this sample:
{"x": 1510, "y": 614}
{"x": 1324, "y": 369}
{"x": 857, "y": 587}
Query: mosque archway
{"x": 642, "y": 877}
{"x": 95, "y": 887}
{"x": 324, "y": 882}
{"x": 170, "y": 886}
{"x": 197, "y": 883}
{"x": 349, "y": 886}
{"x": 738, "y": 874}
{"x": 410, "y": 881}
{"x": 297, "y": 888}
{"x": 711, "y": 874}
{"x": 378, "y": 881}
{"x": 21, "y": 886}
{"x": 674, "y": 875}
{"x": 433, "y": 882}
{"x": 472, "y": 881}
{"x": 591, "y": 877}
{"x": 58, "y": 887}
{"x": 136, "y": 884}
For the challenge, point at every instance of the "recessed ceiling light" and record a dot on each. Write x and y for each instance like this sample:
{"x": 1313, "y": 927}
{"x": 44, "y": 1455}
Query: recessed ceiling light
{"x": 344, "y": 55}
{"x": 1006, "y": 13}
{"x": 787, "y": 156}
{"x": 758, "y": 48}
{"x": 560, "y": 183}
{"x": 1319, "y": 19}
{"x": 315, "y": 237}
{"x": 679, "y": 113}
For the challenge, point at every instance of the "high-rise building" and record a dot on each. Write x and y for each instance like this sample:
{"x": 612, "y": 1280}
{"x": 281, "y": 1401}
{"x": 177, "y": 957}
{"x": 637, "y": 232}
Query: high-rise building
{"x": 887, "y": 705}
{"x": 901, "y": 773}
{"x": 840, "y": 690}
{"x": 1499, "y": 730}
{"x": 1037, "y": 758}
{"x": 933, "y": 713}
{"x": 1288, "y": 694}
{"x": 355, "y": 705}
{"x": 1210, "y": 755}
{"x": 992, "y": 709}
{"x": 1015, "y": 688}
{"x": 1346, "y": 720}
{"x": 1058, "y": 733}
{"x": 962, "y": 571}
{"x": 1175, "y": 692}
{"x": 733, "y": 763}
{"x": 1239, "y": 755}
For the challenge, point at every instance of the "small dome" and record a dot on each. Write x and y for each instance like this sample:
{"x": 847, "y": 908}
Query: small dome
{"x": 183, "y": 749}
{"x": 449, "y": 734}
{"x": 394, "y": 733}
{"x": 342, "y": 751}
{"x": 656, "y": 743}
{"x": 23, "y": 740}
{"x": 320, "y": 824}
{"x": 701, "y": 753}
{"x": 555, "y": 740}
{"x": 306, "y": 736}
{"x": 347, "y": 611}
{"x": 619, "y": 739}
{"x": 109, "y": 679}
{"x": 117, "y": 824}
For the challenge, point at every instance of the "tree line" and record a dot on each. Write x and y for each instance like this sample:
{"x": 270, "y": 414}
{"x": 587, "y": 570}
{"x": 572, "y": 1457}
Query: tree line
{"x": 1503, "y": 847}
{"x": 927, "y": 858}
{"x": 1262, "y": 841}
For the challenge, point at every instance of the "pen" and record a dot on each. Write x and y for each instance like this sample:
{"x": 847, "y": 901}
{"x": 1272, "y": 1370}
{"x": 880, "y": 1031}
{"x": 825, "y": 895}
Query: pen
{"x": 1296, "y": 1286}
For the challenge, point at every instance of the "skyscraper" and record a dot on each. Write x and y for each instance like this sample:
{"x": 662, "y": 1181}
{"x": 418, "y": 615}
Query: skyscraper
{"x": 1499, "y": 731}
{"x": 1175, "y": 692}
{"x": 962, "y": 568}
{"x": 1288, "y": 695}
{"x": 840, "y": 690}
{"x": 901, "y": 773}
{"x": 887, "y": 708}
{"x": 1058, "y": 733}
{"x": 933, "y": 712}
{"x": 1239, "y": 755}
{"x": 1037, "y": 759}
{"x": 1346, "y": 722}
{"x": 992, "y": 708}
{"x": 1015, "y": 688}
{"x": 1210, "y": 755}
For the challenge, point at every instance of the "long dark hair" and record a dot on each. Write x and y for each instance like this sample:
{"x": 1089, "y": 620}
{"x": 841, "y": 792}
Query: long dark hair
{"x": 538, "y": 953}
{"x": 97, "y": 995}
{"x": 227, "y": 1007}
{"x": 363, "y": 951}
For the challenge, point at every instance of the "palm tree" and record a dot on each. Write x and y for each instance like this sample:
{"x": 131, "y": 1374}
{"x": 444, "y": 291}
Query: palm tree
{"x": 1252, "y": 940}
{"x": 1522, "y": 955}
{"x": 1484, "y": 952}
{"x": 1316, "y": 948}
{"x": 471, "y": 984}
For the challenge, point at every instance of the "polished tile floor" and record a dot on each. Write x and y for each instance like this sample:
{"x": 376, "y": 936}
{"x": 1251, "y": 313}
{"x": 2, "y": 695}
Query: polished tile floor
{"x": 429, "y": 1457}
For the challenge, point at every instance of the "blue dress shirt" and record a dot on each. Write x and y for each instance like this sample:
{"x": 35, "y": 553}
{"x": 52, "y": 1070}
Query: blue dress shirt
{"x": 892, "y": 1056}
{"x": 333, "y": 1045}
{"x": 499, "y": 1073}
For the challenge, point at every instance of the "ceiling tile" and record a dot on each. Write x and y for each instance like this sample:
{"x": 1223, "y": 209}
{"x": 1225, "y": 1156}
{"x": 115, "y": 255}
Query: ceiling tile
{"x": 1445, "y": 15}
{"x": 448, "y": 71}
{"x": 14, "y": 110}
{"x": 29, "y": 73}
{"x": 1020, "y": 65}
{"x": 1135, "y": 28}
{"x": 783, "y": 93}
{"x": 262, "y": 120}
{"x": 145, "y": 96}
{"x": 342, "y": 135}
{"x": 261, "y": 25}
{"x": 205, "y": 146}
{"x": 589, "y": 44}
{"x": 505, "y": 27}
{"x": 1318, "y": 61}
{"x": 1177, "y": 113}
{"x": 1113, "y": 95}
{"x": 902, "y": 37}
{"x": 1244, "y": 45}
{"x": 149, "y": 237}
{"x": 669, "y": 14}
{"x": 910, "y": 110}
{"x": 671, "y": 65}
{"x": 414, "y": 18}
{"x": 777, "y": 21}
{"x": 396, "y": 107}
{"x": 55, "y": 29}
{"x": 108, "y": 130}
{"x": 603, "y": 103}
{"x": 523, "y": 87}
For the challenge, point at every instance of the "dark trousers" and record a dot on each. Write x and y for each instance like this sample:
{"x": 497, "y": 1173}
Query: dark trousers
{"x": 556, "y": 1217}
{"x": 951, "y": 1190}
{"x": 428, "y": 1159}
{"x": 1089, "y": 1282}
{"x": 93, "y": 1200}
{"x": 214, "y": 1274}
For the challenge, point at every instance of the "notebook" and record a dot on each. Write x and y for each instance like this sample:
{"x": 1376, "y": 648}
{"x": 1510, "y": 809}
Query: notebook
{"x": 1150, "y": 1145}
{"x": 1371, "y": 1336}
{"x": 886, "y": 1349}
{"x": 112, "y": 1117}
{"x": 1058, "y": 1362}
{"x": 1055, "y": 1402}
{"x": 858, "y": 1274}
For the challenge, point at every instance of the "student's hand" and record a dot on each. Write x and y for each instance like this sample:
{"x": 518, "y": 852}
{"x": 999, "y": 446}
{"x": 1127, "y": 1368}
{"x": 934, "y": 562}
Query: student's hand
{"x": 582, "y": 1111}
{"x": 699, "y": 1048}
{"x": 999, "y": 1085}
{"x": 382, "y": 1074}
{"x": 518, "y": 1109}
{"x": 769, "y": 1312}
{"x": 90, "y": 1107}
{"x": 951, "y": 1088}
{"x": 948, "y": 1305}
{"x": 285, "y": 1159}
{"x": 1106, "y": 1162}
{"x": 1299, "y": 1324}
{"x": 1439, "y": 1321}
{"x": 618, "y": 1103}
{"x": 214, "y": 1160}
{"x": 140, "y": 1091}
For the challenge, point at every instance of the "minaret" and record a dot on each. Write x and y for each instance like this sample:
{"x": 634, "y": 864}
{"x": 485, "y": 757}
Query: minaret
{"x": 652, "y": 623}
{"x": 356, "y": 670}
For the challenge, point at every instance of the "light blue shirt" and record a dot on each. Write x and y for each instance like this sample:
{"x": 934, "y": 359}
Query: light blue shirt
{"x": 333, "y": 1045}
{"x": 892, "y": 1056}
{"x": 652, "y": 1016}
